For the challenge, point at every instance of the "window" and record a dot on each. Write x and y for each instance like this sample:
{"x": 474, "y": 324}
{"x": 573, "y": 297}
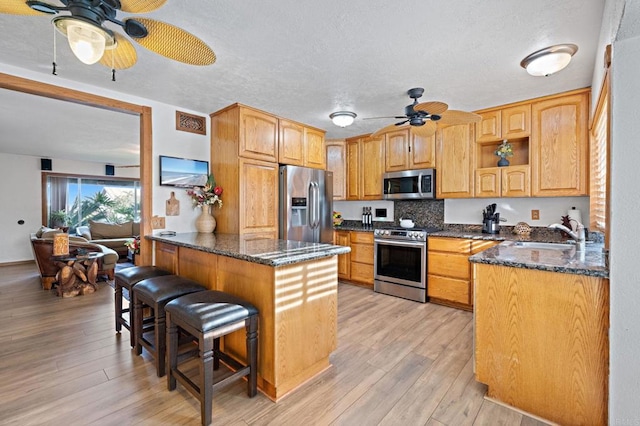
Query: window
{"x": 599, "y": 158}
{"x": 74, "y": 200}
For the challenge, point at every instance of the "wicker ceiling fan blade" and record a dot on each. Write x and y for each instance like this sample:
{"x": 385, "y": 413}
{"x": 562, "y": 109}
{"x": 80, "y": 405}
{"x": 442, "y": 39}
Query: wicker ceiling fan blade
{"x": 17, "y": 7}
{"x": 123, "y": 56}
{"x": 175, "y": 43}
{"x": 428, "y": 129}
{"x": 433, "y": 107}
{"x": 140, "y": 6}
{"x": 458, "y": 117}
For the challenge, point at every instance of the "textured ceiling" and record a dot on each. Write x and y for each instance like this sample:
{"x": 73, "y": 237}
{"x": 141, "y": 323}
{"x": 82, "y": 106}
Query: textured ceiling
{"x": 304, "y": 60}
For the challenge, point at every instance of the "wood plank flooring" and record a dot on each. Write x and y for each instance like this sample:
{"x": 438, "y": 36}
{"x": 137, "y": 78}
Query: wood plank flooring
{"x": 398, "y": 363}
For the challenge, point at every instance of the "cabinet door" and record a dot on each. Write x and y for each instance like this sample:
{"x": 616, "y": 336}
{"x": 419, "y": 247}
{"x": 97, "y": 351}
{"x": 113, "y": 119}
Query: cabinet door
{"x": 291, "y": 144}
{"x": 258, "y": 197}
{"x": 314, "y": 155}
{"x": 516, "y": 122}
{"x": 337, "y": 163}
{"x": 489, "y": 128}
{"x": 515, "y": 181}
{"x": 422, "y": 151}
{"x": 559, "y": 146}
{"x": 488, "y": 182}
{"x": 353, "y": 170}
{"x": 455, "y": 153}
{"x": 372, "y": 167}
{"x": 397, "y": 150}
{"x": 341, "y": 238}
{"x": 258, "y": 135}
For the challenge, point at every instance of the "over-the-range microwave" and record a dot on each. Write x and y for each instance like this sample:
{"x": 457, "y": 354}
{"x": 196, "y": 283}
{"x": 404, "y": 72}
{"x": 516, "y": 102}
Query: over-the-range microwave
{"x": 409, "y": 185}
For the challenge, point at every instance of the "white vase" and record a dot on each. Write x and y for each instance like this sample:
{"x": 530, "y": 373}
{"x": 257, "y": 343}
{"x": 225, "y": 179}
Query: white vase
{"x": 205, "y": 222}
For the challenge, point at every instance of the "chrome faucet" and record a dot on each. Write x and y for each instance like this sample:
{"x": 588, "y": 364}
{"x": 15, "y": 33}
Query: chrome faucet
{"x": 578, "y": 234}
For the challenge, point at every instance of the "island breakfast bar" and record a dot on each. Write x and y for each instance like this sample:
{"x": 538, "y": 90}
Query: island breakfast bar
{"x": 293, "y": 284}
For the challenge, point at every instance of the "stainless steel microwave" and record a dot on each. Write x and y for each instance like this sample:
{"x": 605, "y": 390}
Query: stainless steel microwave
{"x": 409, "y": 185}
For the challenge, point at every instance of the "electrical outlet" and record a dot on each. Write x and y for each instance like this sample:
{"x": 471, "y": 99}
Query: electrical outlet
{"x": 157, "y": 222}
{"x": 535, "y": 214}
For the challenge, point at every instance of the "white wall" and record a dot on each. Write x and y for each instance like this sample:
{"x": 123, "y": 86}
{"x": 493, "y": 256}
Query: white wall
{"x": 352, "y": 210}
{"x": 469, "y": 210}
{"x": 624, "y": 385}
{"x": 166, "y": 141}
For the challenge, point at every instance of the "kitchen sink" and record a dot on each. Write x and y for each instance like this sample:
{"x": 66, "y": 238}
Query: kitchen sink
{"x": 532, "y": 245}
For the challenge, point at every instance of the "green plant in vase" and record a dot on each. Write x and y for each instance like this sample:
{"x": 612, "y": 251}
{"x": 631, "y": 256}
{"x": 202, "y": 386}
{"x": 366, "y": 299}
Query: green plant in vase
{"x": 503, "y": 151}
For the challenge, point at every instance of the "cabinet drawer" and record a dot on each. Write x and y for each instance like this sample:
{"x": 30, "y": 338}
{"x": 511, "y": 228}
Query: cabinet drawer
{"x": 362, "y": 253}
{"x": 453, "y": 245}
{"x": 478, "y": 246}
{"x": 362, "y": 237}
{"x": 361, "y": 272}
{"x": 448, "y": 289}
{"x": 448, "y": 264}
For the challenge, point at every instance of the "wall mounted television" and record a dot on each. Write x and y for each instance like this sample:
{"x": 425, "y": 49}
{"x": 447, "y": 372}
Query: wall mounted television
{"x": 183, "y": 172}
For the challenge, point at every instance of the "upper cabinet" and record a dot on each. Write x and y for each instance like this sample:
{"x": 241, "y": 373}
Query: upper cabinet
{"x": 404, "y": 150}
{"x": 365, "y": 164}
{"x": 455, "y": 157}
{"x": 258, "y": 135}
{"x": 300, "y": 145}
{"x": 559, "y": 145}
{"x": 504, "y": 123}
{"x": 337, "y": 163}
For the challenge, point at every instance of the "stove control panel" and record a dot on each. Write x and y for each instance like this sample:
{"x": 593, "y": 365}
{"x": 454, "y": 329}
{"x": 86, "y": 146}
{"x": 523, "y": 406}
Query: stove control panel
{"x": 396, "y": 234}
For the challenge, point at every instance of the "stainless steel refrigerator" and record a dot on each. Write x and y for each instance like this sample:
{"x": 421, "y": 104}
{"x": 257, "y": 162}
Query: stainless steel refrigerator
{"x": 306, "y": 204}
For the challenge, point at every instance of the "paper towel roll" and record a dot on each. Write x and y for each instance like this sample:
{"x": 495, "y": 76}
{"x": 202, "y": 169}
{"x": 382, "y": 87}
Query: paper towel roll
{"x": 575, "y": 217}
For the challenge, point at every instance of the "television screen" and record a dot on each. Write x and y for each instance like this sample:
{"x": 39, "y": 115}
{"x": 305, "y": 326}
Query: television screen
{"x": 183, "y": 172}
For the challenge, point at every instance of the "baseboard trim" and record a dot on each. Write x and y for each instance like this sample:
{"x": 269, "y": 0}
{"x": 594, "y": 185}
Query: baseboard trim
{"x": 19, "y": 262}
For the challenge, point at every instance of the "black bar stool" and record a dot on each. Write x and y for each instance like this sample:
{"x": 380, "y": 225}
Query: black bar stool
{"x": 126, "y": 279}
{"x": 207, "y": 316}
{"x": 155, "y": 293}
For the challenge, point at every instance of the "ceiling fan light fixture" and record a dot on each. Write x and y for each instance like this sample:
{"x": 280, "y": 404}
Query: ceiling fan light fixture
{"x": 550, "y": 60}
{"x": 343, "y": 118}
{"x": 86, "y": 40}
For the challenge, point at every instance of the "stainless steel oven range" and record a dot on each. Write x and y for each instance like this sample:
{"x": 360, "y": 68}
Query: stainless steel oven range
{"x": 400, "y": 262}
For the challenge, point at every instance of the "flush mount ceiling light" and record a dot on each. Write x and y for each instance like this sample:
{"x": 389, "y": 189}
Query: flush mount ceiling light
{"x": 342, "y": 118}
{"x": 549, "y": 60}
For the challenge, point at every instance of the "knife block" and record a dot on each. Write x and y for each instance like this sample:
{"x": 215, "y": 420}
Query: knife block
{"x": 490, "y": 226}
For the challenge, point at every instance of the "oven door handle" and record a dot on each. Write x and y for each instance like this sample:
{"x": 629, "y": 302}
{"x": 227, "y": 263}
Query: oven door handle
{"x": 400, "y": 243}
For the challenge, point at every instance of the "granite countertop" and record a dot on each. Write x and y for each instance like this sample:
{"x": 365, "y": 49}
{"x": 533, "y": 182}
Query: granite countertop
{"x": 266, "y": 251}
{"x": 590, "y": 262}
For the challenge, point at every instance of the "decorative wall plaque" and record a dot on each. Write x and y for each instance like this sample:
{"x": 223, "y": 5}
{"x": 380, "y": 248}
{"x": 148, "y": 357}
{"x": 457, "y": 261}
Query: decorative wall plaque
{"x": 191, "y": 123}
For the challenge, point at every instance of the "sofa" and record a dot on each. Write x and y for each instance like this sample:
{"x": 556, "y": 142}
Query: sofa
{"x": 112, "y": 235}
{"x": 42, "y": 245}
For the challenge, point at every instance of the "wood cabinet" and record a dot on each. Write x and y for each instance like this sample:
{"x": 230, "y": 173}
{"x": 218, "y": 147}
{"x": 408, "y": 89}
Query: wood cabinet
{"x": 404, "y": 150}
{"x": 504, "y": 123}
{"x": 365, "y": 166}
{"x": 559, "y": 145}
{"x": 257, "y": 134}
{"x": 342, "y": 238}
{"x": 337, "y": 163}
{"x": 455, "y": 161}
{"x": 511, "y": 181}
{"x": 449, "y": 270}
{"x": 250, "y": 184}
{"x": 541, "y": 342}
{"x": 300, "y": 145}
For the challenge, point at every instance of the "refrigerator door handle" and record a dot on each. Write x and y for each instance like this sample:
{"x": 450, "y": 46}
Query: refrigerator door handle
{"x": 312, "y": 205}
{"x": 315, "y": 204}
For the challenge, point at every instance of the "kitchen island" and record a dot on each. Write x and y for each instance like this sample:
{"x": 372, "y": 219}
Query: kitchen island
{"x": 541, "y": 329}
{"x": 293, "y": 284}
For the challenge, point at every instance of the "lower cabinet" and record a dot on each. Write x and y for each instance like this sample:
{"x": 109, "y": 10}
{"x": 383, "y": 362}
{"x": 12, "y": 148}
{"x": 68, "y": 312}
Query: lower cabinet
{"x": 356, "y": 266}
{"x": 449, "y": 271}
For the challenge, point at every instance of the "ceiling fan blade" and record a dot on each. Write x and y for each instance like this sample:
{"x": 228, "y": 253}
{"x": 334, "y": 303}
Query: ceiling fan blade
{"x": 140, "y": 6}
{"x": 175, "y": 43}
{"x": 397, "y": 117}
{"x": 458, "y": 117}
{"x": 122, "y": 56}
{"x": 433, "y": 107}
{"x": 428, "y": 129}
{"x": 17, "y": 7}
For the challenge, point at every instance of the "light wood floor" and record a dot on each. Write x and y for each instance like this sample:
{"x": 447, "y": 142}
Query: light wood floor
{"x": 398, "y": 363}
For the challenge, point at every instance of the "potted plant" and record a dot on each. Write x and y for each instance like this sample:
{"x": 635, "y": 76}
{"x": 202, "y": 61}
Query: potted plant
{"x": 59, "y": 219}
{"x": 503, "y": 151}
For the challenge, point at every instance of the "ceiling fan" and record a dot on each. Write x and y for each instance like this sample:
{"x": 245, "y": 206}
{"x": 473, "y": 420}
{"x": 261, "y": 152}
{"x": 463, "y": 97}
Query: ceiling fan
{"x": 424, "y": 117}
{"x": 92, "y": 42}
